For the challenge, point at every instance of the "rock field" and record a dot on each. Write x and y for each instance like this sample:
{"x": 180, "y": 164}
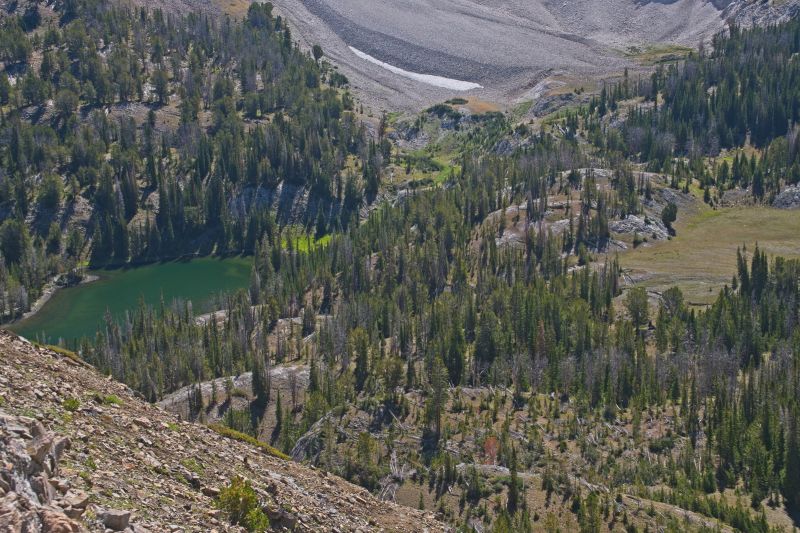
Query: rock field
{"x": 507, "y": 46}
{"x": 79, "y": 451}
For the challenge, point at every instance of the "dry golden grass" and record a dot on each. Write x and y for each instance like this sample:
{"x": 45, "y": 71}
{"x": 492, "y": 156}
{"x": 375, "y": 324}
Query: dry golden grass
{"x": 234, "y": 8}
{"x": 702, "y": 258}
{"x": 478, "y": 106}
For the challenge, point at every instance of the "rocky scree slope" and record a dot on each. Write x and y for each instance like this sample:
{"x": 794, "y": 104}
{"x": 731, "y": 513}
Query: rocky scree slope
{"x": 511, "y": 48}
{"x": 79, "y": 451}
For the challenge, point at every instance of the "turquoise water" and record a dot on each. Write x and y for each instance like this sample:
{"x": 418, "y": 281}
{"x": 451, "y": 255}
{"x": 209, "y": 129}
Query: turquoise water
{"x": 78, "y": 311}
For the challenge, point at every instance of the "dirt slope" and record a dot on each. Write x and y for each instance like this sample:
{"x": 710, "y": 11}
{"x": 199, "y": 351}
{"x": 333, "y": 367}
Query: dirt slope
{"x": 129, "y": 456}
{"x": 508, "y": 46}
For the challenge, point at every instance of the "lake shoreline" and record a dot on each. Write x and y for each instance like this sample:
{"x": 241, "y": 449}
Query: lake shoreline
{"x": 48, "y": 291}
{"x": 52, "y": 286}
{"x": 80, "y": 309}
{"x": 187, "y": 257}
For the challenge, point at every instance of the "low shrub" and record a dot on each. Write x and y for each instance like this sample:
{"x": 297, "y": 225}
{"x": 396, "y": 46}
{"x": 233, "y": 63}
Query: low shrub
{"x": 71, "y": 404}
{"x": 240, "y": 502}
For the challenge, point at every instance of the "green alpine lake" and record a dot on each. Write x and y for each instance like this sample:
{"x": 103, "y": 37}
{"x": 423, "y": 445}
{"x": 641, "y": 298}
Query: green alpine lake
{"x": 78, "y": 311}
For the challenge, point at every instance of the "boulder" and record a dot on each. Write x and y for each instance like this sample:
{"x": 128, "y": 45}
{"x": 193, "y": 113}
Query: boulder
{"x": 142, "y": 422}
{"x": 56, "y": 522}
{"x": 115, "y": 519}
{"x": 211, "y": 492}
{"x": 789, "y": 198}
{"x": 40, "y": 447}
{"x": 77, "y": 499}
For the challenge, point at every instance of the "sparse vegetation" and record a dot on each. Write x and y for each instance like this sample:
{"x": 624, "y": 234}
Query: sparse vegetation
{"x": 108, "y": 399}
{"x": 237, "y": 435}
{"x": 71, "y": 404}
{"x": 481, "y": 343}
{"x": 240, "y": 503}
{"x": 193, "y": 466}
{"x": 62, "y": 351}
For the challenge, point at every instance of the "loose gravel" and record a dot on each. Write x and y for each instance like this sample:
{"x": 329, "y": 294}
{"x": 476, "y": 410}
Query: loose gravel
{"x": 506, "y": 46}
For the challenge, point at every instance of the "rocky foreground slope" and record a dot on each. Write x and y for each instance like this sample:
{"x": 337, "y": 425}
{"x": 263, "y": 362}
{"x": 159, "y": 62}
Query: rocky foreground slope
{"x": 81, "y": 452}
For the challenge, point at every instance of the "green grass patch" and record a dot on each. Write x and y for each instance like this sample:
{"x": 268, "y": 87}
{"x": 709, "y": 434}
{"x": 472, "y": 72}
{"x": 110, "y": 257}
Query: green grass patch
{"x": 303, "y": 242}
{"x": 703, "y": 216}
{"x": 521, "y": 109}
{"x": 561, "y": 113}
{"x": 69, "y": 354}
{"x": 445, "y": 174}
{"x": 430, "y": 167}
{"x": 71, "y": 404}
{"x": 108, "y": 399}
{"x": 242, "y": 437}
{"x": 193, "y": 466}
{"x": 393, "y": 117}
{"x": 423, "y": 161}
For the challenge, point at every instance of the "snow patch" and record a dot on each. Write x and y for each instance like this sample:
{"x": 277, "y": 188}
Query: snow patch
{"x": 436, "y": 81}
